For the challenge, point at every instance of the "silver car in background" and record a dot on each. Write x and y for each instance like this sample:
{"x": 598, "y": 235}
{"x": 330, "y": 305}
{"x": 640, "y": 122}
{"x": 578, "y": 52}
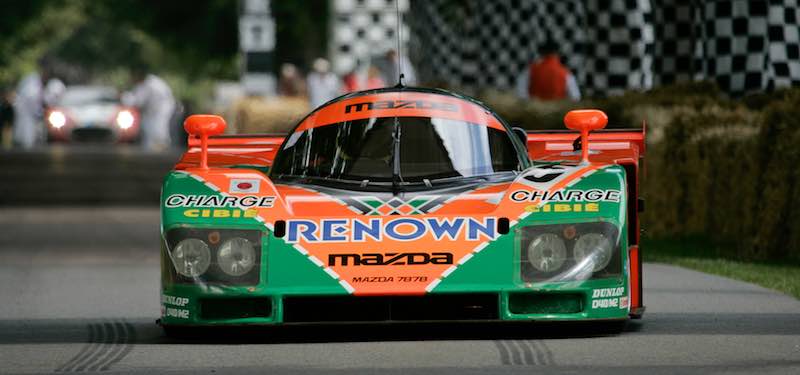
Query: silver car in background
{"x": 91, "y": 114}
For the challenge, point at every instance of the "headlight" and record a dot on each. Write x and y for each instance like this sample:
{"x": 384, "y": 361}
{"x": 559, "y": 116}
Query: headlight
{"x": 191, "y": 257}
{"x": 124, "y": 119}
{"x": 568, "y": 252}
{"x": 236, "y": 256}
{"x": 57, "y": 119}
{"x": 213, "y": 256}
{"x": 547, "y": 252}
{"x": 595, "y": 248}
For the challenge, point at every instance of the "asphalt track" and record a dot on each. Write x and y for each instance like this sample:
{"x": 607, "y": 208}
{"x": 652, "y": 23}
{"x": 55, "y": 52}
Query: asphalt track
{"x": 79, "y": 293}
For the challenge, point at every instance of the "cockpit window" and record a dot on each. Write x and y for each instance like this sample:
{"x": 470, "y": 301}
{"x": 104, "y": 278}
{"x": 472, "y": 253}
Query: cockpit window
{"x": 85, "y": 95}
{"x": 428, "y": 148}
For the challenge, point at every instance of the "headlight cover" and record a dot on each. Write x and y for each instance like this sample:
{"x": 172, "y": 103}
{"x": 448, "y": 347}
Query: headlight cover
{"x": 125, "y": 119}
{"x": 191, "y": 257}
{"x": 57, "y": 119}
{"x": 594, "y": 248}
{"x": 234, "y": 256}
{"x": 568, "y": 252}
{"x": 547, "y": 252}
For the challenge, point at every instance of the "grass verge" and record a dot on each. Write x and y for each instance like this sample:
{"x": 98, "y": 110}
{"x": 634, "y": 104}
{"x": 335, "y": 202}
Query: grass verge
{"x": 701, "y": 255}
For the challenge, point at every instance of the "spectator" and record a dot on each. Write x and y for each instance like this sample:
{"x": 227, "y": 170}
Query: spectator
{"x": 374, "y": 79}
{"x": 156, "y": 104}
{"x": 355, "y": 80}
{"x": 291, "y": 82}
{"x": 547, "y": 78}
{"x": 351, "y": 81}
{"x": 53, "y": 91}
{"x": 6, "y": 116}
{"x": 29, "y": 106}
{"x": 323, "y": 85}
{"x": 391, "y": 74}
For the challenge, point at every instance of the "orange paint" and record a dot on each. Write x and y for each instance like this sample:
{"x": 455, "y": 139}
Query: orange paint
{"x": 400, "y": 104}
{"x": 203, "y": 126}
{"x": 585, "y": 120}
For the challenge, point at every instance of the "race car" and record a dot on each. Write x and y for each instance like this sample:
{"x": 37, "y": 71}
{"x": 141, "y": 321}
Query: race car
{"x": 91, "y": 114}
{"x": 402, "y": 205}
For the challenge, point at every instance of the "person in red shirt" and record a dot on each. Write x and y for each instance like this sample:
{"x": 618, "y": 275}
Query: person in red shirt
{"x": 358, "y": 80}
{"x": 351, "y": 82}
{"x": 547, "y": 78}
{"x": 374, "y": 78}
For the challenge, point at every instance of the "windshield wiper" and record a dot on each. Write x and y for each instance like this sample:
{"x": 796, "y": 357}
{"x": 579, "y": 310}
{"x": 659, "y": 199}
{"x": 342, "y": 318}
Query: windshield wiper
{"x": 319, "y": 178}
{"x": 350, "y": 181}
{"x": 429, "y": 182}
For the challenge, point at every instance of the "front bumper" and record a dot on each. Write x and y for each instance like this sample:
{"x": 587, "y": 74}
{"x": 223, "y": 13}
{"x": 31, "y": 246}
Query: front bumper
{"x": 204, "y": 306}
{"x": 291, "y": 289}
{"x": 104, "y": 133}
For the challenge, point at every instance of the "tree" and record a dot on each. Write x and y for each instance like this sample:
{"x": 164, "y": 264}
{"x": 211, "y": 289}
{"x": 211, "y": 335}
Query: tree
{"x": 192, "y": 38}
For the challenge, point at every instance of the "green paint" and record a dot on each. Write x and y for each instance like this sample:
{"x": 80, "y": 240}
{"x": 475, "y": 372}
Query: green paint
{"x": 285, "y": 271}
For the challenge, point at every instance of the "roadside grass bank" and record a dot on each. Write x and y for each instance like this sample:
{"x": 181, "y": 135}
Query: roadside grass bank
{"x": 705, "y": 256}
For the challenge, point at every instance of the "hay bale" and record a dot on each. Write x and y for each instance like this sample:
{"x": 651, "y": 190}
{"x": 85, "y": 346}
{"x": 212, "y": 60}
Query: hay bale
{"x": 275, "y": 115}
{"x": 777, "y": 233}
{"x": 530, "y": 114}
{"x": 699, "y": 175}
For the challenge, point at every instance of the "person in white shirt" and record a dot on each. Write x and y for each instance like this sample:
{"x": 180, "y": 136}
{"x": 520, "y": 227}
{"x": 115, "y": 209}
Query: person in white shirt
{"x": 53, "y": 91}
{"x": 28, "y": 107}
{"x": 323, "y": 85}
{"x": 156, "y": 104}
{"x": 392, "y": 73}
{"x": 34, "y": 92}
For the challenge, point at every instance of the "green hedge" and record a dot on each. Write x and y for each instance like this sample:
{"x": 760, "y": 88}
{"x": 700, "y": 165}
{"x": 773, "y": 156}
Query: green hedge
{"x": 731, "y": 174}
{"x": 776, "y": 227}
{"x": 724, "y": 169}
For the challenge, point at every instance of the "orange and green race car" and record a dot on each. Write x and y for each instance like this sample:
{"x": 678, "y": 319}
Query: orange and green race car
{"x": 402, "y": 204}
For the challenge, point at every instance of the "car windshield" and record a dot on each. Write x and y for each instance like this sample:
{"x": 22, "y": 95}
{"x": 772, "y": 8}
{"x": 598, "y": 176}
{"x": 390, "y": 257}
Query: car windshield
{"x": 365, "y": 151}
{"x": 84, "y": 95}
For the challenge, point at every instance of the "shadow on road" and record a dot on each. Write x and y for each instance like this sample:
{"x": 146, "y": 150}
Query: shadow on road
{"x": 147, "y": 332}
{"x": 142, "y": 331}
{"x": 329, "y": 333}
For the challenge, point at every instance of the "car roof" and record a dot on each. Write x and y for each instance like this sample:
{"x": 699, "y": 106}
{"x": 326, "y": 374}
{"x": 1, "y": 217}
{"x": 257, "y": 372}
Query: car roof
{"x": 401, "y": 102}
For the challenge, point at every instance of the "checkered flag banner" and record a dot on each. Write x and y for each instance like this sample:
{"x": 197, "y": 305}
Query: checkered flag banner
{"x": 362, "y": 30}
{"x": 610, "y": 45}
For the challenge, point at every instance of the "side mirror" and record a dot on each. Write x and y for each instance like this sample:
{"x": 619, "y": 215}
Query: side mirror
{"x": 203, "y": 126}
{"x": 522, "y": 135}
{"x": 584, "y": 121}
